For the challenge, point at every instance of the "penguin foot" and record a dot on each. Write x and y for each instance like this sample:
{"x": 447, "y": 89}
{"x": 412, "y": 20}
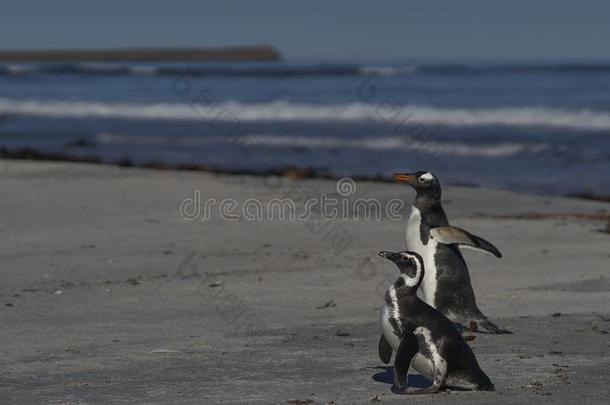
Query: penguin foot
{"x": 472, "y": 327}
{"x": 468, "y": 332}
{"x": 463, "y": 329}
{"x": 433, "y": 389}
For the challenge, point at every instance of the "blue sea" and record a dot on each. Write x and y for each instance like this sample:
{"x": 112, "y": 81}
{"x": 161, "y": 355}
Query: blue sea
{"x": 535, "y": 126}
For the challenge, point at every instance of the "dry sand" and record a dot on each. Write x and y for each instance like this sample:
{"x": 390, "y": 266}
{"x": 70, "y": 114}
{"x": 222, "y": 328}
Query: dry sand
{"x": 109, "y": 296}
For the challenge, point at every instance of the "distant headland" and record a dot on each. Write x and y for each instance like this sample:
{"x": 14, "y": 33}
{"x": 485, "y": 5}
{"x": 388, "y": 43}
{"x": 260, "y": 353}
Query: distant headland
{"x": 239, "y": 53}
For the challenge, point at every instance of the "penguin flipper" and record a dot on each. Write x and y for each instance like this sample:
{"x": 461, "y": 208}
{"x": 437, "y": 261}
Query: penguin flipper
{"x": 453, "y": 234}
{"x": 385, "y": 350}
{"x": 407, "y": 350}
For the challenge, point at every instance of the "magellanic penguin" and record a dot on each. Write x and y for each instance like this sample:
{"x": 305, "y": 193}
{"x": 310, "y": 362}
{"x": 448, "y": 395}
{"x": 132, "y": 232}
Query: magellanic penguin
{"x": 422, "y": 337}
{"x": 446, "y": 285}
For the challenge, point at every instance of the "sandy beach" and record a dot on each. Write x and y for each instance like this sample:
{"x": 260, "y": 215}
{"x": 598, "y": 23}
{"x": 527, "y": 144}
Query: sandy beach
{"x": 109, "y": 295}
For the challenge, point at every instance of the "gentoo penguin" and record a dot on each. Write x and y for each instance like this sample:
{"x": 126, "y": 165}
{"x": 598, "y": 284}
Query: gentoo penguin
{"x": 446, "y": 285}
{"x": 422, "y": 337}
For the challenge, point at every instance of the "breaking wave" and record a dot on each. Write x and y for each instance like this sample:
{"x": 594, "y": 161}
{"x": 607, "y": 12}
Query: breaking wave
{"x": 582, "y": 119}
{"x": 378, "y": 143}
{"x": 279, "y": 70}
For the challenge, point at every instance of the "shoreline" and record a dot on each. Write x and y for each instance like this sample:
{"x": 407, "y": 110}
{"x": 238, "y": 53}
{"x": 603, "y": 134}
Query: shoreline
{"x": 293, "y": 172}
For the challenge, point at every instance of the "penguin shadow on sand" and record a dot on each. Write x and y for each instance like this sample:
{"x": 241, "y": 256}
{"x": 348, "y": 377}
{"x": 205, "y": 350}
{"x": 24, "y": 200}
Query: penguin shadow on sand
{"x": 386, "y": 376}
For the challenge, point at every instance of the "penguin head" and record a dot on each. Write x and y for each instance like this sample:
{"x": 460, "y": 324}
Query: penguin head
{"x": 410, "y": 264}
{"x": 418, "y": 180}
{"x": 426, "y": 185}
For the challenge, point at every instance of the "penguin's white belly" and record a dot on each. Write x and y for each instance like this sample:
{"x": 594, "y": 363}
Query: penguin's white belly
{"x": 388, "y": 330}
{"x": 420, "y": 363}
{"x": 427, "y": 252}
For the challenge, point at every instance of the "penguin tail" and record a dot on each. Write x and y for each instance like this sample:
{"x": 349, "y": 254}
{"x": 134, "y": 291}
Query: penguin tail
{"x": 486, "y": 385}
{"x": 491, "y": 327}
{"x": 481, "y": 381}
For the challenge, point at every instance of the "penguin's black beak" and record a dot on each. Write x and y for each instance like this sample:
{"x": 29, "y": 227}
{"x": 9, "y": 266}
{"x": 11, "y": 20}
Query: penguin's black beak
{"x": 389, "y": 255}
{"x": 408, "y": 178}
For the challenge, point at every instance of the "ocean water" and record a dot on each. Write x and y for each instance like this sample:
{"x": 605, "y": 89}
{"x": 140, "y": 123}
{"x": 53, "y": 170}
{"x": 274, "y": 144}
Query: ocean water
{"x": 535, "y": 126}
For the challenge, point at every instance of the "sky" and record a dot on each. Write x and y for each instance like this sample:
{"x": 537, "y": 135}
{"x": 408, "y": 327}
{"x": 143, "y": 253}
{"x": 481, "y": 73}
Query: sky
{"x": 319, "y": 29}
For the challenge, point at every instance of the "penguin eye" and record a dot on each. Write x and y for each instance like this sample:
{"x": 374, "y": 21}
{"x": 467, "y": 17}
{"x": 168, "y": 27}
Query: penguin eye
{"x": 406, "y": 259}
{"x": 426, "y": 177}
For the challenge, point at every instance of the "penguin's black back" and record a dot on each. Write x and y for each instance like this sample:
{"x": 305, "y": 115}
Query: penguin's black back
{"x": 434, "y": 215}
{"x": 454, "y": 293}
{"x": 452, "y": 271}
{"x": 462, "y": 364}
{"x": 415, "y": 313}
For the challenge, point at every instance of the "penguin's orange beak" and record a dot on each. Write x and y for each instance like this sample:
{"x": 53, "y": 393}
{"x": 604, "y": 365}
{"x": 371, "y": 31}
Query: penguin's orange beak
{"x": 405, "y": 178}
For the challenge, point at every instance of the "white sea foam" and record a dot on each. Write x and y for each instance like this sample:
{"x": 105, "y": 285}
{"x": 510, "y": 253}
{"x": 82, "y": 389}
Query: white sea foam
{"x": 387, "y": 70}
{"x": 19, "y": 69}
{"x": 377, "y": 143}
{"x": 583, "y": 119}
{"x": 98, "y": 67}
{"x": 144, "y": 70}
